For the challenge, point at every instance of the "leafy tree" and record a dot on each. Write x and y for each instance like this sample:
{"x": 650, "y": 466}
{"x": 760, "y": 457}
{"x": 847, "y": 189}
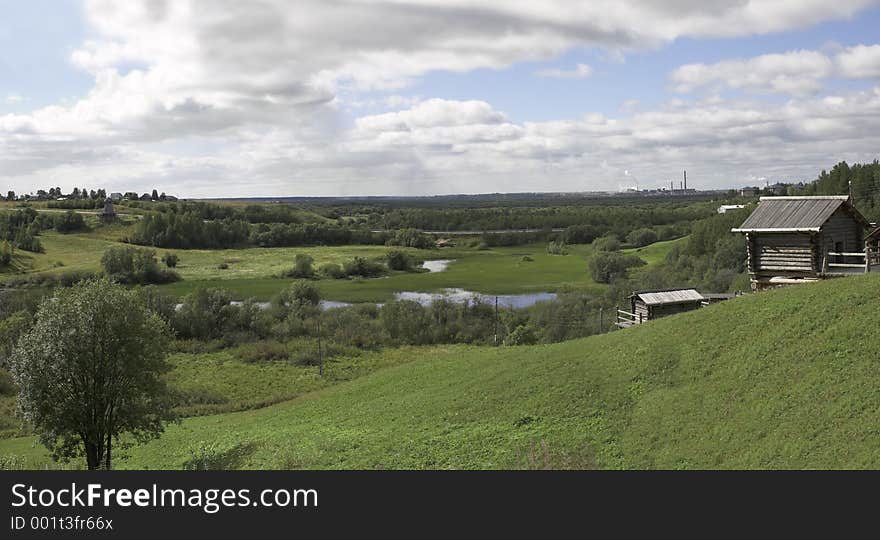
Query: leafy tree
{"x": 203, "y": 314}
{"x": 90, "y": 370}
{"x": 69, "y": 221}
{"x": 580, "y": 234}
{"x": 129, "y": 265}
{"x": 301, "y": 294}
{"x": 641, "y": 237}
{"x": 605, "y": 266}
{"x": 413, "y": 238}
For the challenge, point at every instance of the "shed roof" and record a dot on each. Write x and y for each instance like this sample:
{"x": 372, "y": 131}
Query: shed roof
{"x": 673, "y": 296}
{"x": 796, "y": 214}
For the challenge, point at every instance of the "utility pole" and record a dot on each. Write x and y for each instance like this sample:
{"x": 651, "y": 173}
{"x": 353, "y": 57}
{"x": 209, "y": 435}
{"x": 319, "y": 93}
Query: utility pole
{"x": 495, "y": 340}
{"x": 600, "y": 319}
{"x": 320, "y": 349}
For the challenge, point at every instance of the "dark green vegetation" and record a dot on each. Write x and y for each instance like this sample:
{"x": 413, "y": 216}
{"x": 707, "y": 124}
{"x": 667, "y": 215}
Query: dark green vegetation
{"x": 862, "y": 180}
{"x": 743, "y": 385}
{"x": 89, "y": 371}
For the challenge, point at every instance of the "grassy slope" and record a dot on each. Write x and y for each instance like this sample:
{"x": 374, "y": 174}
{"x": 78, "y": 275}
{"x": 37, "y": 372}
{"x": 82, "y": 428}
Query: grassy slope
{"x": 785, "y": 378}
{"x": 655, "y": 253}
{"x": 220, "y": 382}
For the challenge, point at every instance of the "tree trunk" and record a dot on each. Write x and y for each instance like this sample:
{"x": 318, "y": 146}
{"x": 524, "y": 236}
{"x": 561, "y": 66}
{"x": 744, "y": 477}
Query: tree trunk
{"x": 93, "y": 460}
{"x": 107, "y": 452}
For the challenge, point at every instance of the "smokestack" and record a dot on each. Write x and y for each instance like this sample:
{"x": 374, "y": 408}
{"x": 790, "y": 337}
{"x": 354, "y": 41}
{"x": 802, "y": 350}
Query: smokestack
{"x": 671, "y": 185}
{"x": 685, "y": 180}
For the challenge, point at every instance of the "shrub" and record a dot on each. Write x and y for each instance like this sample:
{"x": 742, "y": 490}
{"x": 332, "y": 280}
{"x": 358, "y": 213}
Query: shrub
{"x": 606, "y": 243}
{"x": 556, "y": 247}
{"x": 212, "y": 456}
{"x": 523, "y": 334}
{"x": 223, "y": 266}
{"x": 413, "y": 238}
{"x": 162, "y": 304}
{"x": 580, "y": 234}
{"x": 331, "y": 271}
{"x": 170, "y": 260}
{"x": 606, "y": 266}
{"x": 5, "y": 253}
{"x": 641, "y": 237}
{"x": 399, "y": 260}
{"x": 69, "y": 221}
{"x": 359, "y": 266}
{"x": 131, "y": 265}
{"x": 355, "y": 326}
{"x": 11, "y": 462}
{"x": 7, "y": 384}
{"x": 203, "y": 314}
{"x": 302, "y": 267}
{"x": 406, "y": 322}
{"x": 263, "y": 351}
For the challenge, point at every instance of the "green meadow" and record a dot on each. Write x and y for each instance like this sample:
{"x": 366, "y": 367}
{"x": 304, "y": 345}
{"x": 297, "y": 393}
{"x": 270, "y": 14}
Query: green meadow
{"x": 253, "y": 272}
{"x": 743, "y": 385}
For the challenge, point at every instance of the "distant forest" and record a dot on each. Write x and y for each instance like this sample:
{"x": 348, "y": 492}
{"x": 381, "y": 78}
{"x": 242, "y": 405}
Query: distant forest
{"x": 865, "y": 179}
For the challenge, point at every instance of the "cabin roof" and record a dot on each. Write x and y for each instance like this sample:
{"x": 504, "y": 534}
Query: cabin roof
{"x": 796, "y": 214}
{"x": 669, "y": 296}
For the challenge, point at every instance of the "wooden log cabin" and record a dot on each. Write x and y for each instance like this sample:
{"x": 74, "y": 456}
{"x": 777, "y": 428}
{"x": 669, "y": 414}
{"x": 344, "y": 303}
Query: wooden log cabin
{"x": 648, "y": 305}
{"x": 802, "y": 239}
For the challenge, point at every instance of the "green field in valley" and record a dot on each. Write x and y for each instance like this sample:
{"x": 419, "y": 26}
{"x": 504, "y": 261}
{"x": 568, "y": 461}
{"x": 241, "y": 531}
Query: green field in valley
{"x": 743, "y": 385}
{"x": 253, "y": 272}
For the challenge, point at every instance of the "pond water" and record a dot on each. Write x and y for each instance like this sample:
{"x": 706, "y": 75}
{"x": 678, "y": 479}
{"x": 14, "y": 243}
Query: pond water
{"x": 438, "y": 265}
{"x": 461, "y": 296}
{"x": 458, "y": 296}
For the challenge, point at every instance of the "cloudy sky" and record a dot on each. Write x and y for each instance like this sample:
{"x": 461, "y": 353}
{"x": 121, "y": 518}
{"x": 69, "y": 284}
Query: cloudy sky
{"x": 408, "y": 97}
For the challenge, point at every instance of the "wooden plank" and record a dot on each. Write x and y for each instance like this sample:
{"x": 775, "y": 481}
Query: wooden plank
{"x": 788, "y": 268}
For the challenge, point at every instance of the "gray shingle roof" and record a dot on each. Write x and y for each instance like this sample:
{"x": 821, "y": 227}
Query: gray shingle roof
{"x": 675, "y": 296}
{"x": 793, "y": 213}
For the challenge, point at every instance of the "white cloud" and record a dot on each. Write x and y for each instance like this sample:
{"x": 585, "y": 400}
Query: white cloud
{"x": 860, "y": 62}
{"x": 580, "y": 71}
{"x": 230, "y": 97}
{"x": 796, "y": 72}
{"x": 799, "y": 72}
{"x": 443, "y": 146}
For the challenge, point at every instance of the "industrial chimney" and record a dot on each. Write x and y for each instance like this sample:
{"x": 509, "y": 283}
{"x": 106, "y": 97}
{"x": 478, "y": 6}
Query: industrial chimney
{"x": 685, "y": 180}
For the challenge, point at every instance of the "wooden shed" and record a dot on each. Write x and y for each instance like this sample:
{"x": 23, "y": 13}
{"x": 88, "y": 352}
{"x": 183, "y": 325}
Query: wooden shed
{"x": 798, "y": 239}
{"x": 648, "y": 305}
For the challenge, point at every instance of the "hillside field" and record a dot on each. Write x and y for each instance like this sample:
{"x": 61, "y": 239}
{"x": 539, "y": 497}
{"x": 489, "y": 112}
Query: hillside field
{"x": 780, "y": 379}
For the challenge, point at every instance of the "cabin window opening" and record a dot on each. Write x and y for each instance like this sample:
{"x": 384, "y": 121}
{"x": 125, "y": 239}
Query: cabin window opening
{"x": 838, "y": 247}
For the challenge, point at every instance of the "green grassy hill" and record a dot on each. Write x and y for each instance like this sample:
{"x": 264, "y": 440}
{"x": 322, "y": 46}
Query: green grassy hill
{"x": 781, "y": 379}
